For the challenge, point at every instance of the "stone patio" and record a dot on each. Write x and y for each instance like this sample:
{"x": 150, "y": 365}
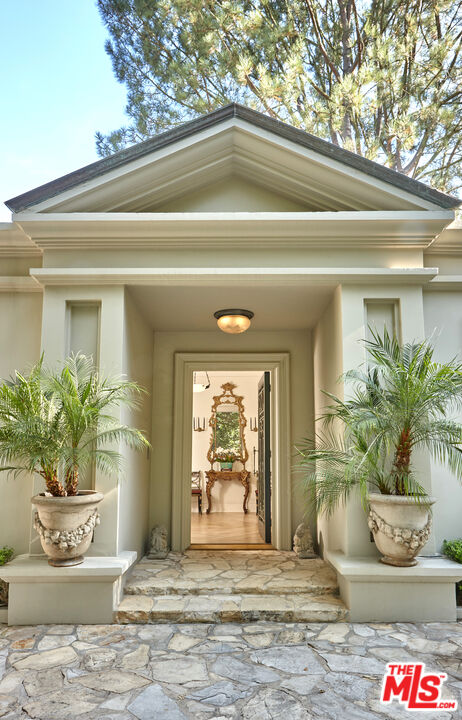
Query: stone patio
{"x": 231, "y": 586}
{"x": 257, "y": 671}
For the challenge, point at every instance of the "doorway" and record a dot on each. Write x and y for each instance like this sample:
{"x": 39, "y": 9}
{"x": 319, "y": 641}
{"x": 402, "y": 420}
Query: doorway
{"x": 227, "y": 524}
{"x": 230, "y": 472}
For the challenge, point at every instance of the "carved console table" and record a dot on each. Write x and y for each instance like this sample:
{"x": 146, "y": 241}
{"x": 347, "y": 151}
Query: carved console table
{"x": 243, "y": 476}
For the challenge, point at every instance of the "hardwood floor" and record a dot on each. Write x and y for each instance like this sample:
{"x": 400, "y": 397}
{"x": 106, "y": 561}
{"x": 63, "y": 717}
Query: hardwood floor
{"x": 225, "y": 528}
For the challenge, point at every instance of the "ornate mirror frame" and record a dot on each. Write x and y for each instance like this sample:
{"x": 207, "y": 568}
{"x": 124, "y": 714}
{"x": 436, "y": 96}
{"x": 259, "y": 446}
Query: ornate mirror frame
{"x": 228, "y": 398}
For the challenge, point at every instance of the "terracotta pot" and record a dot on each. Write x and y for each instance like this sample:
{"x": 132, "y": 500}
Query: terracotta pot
{"x": 400, "y": 527}
{"x": 66, "y": 524}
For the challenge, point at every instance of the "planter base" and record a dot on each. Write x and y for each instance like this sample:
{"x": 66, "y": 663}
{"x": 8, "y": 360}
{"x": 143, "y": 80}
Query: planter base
{"x": 66, "y": 562}
{"x": 86, "y": 594}
{"x": 398, "y": 563}
{"x": 375, "y": 592}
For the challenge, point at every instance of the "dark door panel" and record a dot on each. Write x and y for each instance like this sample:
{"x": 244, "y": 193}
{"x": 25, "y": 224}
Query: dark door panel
{"x": 264, "y": 458}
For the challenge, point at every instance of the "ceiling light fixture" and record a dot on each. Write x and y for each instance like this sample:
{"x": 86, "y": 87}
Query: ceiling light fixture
{"x": 233, "y": 321}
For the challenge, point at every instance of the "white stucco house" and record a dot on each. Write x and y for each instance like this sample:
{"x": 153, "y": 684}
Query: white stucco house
{"x": 129, "y": 258}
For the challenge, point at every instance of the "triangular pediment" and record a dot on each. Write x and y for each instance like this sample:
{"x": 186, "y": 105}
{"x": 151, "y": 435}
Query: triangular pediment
{"x": 232, "y": 160}
{"x": 233, "y": 194}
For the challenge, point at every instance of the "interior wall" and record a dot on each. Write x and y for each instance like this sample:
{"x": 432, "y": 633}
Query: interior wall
{"x": 20, "y": 329}
{"x": 443, "y": 324}
{"x": 133, "y": 509}
{"x": 296, "y": 343}
{"x": 226, "y": 496}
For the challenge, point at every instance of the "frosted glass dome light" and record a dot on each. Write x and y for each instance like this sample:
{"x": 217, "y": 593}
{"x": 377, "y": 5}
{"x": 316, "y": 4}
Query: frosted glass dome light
{"x": 233, "y": 321}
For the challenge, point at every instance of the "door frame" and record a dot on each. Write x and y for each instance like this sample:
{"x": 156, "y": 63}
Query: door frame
{"x": 279, "y": 366}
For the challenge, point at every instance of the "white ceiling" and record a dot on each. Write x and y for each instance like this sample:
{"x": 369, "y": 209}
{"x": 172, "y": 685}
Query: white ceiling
{"x": 192, "y": 308}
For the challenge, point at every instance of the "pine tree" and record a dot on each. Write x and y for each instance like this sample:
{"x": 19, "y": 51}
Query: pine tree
{"x": 382, "y": 78}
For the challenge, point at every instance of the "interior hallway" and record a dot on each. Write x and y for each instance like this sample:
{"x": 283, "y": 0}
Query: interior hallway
{"x": 224, "y": 528}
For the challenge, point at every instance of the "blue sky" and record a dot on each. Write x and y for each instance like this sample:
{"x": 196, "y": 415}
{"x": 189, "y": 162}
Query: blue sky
{"x": 57, "y": 89}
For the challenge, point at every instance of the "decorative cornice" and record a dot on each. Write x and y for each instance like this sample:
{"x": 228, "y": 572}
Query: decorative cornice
{"x": 449, "y": 242}
{"x": 357, "y": 229}
{"x": 14, "y": 242}
{"x": 20, "y": 284}
{"x": 237, "y": 276}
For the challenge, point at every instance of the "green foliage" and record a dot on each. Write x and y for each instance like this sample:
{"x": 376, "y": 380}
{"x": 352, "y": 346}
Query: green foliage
{"x": 400, "y": 402}
{"x": 382, "y": 78}
{"x": 57, "y": 424}
{"x": 228, "y": 432}
{"x": 453, "y": 549}
{"x": 6, "y": 553}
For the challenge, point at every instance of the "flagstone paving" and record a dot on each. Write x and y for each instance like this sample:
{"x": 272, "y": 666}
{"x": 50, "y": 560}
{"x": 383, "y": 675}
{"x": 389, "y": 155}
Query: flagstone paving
{"x": 254, "y": 671}
{"x": 231, "y": 586}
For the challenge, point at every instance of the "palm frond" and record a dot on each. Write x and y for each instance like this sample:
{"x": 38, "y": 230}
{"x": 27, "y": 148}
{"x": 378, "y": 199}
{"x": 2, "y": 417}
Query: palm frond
{"x": 399, "y": 401}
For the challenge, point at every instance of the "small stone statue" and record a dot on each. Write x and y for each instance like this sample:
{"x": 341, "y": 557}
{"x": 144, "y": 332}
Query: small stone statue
{"x": 3, "y": 592}
{"x": 159, "y": 547}
{"x": 303, "y": 542}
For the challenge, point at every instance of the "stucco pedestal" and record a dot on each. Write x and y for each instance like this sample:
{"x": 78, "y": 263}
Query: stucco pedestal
{"x": 86, "y": 593}
{"x": 376, "y": 592}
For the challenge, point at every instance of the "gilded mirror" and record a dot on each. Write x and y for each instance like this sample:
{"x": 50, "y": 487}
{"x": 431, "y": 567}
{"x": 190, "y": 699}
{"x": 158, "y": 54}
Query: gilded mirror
{"x": 227, "y": 422}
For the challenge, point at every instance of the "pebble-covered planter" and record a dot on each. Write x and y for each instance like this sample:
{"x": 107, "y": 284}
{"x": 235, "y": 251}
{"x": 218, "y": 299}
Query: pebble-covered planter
{"x": 66, "y": 524}
{"x": 400, "y": 526}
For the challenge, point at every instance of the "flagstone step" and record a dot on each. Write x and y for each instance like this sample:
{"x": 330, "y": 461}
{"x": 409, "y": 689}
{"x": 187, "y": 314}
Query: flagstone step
{"x": 252, "y": 585}
{"x": 228, "y": 573}
{"x": 230, "y": 608}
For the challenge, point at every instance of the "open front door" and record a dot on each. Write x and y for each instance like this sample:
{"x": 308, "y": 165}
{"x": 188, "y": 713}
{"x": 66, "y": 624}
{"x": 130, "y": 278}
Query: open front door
{"x": 264, "y": 458}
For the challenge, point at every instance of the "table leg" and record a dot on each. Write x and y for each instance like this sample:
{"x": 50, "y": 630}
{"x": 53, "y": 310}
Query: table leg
{"x": 246, "y": 484}
{"x": 208, "y": 490}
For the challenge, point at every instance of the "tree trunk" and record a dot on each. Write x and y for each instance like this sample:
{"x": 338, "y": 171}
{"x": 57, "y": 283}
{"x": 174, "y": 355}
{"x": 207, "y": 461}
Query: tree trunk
{"x": 402, "y": 461}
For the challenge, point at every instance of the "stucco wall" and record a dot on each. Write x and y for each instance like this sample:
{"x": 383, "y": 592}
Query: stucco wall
{"x": 443, "y": 323}
{"x": 297, "y": 343}
{"x": 134, "y": 480}
{"x": 235, "y": 194}
{"x": 328, "y": 366}
{"x": 20, "y": 327}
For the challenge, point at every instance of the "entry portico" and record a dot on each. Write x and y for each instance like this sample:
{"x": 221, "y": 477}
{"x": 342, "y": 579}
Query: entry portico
{"x": 128, "y": 259}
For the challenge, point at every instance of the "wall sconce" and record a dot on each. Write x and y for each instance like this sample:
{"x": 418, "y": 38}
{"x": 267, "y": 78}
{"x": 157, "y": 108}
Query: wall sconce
{"x": 253, "y": 424}
{"x": 199, "y": 424}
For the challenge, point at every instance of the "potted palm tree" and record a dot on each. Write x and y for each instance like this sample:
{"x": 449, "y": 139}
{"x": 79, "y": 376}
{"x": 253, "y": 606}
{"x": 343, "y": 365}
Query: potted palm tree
{"x": 401, "y": 401}
{"x": 57, "y": 425}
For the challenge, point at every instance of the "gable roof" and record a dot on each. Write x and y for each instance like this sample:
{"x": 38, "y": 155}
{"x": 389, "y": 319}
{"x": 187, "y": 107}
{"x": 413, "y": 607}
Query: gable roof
{"x": 234, "y": 110}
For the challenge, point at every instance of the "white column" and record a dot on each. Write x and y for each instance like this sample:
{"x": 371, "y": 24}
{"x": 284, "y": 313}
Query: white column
{"x": 356, "y": 540}
{"x": 55, "y": 346}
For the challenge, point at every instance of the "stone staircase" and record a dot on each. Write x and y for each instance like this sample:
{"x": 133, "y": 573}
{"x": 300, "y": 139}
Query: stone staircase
{"x": 231, "y": 586}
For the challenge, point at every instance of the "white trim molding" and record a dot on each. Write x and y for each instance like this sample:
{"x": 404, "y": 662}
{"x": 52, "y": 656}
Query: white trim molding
{"x": 216, "y": 276}
{"x": 185, "y": 365}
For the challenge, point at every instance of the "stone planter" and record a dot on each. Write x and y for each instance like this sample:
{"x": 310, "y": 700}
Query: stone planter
{"x": 400, "y": 527}
{"x": 66, "y": 524}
